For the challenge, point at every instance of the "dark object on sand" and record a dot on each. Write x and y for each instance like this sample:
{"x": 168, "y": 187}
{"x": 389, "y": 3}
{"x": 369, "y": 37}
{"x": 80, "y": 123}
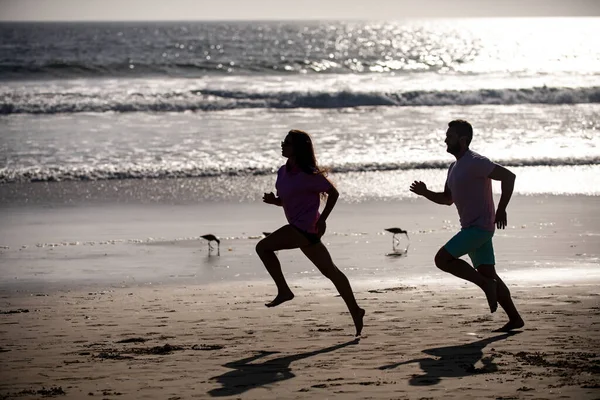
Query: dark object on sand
{"x": 212, "y": 238}
{"x": 397, "y": 249}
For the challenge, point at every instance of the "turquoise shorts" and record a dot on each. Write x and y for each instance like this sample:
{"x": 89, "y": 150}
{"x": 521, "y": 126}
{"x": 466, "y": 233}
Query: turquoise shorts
{"x": 475, "y": 242}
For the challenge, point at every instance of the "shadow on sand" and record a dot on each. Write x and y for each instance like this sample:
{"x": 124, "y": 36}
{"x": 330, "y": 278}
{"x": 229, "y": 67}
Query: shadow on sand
{"x": 247, "y": 375}
{"x": 452, "y": 361}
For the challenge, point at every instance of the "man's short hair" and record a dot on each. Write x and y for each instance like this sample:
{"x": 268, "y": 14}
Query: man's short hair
{"x": 462, "y": 128}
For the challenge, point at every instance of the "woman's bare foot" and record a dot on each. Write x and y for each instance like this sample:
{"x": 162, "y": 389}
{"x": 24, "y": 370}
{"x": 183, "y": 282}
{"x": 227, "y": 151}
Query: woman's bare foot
{"x": 511, "y": 325}
{"x": 358, "y": 321}
{"x": 280, "y": 298}
{"x": 490, "y": 290}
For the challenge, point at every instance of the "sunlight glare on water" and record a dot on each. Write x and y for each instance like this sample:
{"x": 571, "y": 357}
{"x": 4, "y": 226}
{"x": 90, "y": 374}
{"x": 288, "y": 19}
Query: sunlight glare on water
{"x": 534, "y": 45}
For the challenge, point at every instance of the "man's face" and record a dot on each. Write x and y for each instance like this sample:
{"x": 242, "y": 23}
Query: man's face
{"x": 453, "y": 143}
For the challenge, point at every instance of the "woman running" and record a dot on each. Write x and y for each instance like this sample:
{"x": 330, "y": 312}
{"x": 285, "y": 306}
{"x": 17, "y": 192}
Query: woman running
{"x": 300, "y": 183}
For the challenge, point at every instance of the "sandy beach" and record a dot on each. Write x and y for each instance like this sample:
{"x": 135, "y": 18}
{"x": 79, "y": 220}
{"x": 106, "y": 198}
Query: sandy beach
{"x": 125, "y": 301}
{"x": 201, "y": 342}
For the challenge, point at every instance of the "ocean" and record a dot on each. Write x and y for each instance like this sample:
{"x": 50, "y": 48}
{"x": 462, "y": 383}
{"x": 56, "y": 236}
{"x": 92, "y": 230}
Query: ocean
{"x": 213, "y": 100}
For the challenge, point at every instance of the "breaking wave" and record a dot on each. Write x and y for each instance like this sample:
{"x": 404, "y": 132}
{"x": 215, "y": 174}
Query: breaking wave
{"x": 215, "y": 100}
{"x": 56, "y": 174}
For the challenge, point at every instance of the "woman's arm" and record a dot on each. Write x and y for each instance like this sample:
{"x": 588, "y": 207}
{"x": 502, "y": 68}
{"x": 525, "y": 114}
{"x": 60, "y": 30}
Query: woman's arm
{"x": 332, "y": 197}
{"x": 270, "y": 198}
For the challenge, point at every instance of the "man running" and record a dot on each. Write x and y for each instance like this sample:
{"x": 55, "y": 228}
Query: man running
{"x": 469, "y": 186}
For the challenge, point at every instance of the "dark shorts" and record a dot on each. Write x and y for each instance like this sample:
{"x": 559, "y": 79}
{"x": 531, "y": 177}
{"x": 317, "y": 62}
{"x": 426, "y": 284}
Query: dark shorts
{"x": 475, "y": 242}
{"x": 313, "y": 238}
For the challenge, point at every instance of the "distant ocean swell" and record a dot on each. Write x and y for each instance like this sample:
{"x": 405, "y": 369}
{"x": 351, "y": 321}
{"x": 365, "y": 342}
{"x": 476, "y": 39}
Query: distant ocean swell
{"x": 58, "y": 69}
{"x": 198, "y": 68}
{"x": 56, "y": 174}
{"x": 215, "y": 100}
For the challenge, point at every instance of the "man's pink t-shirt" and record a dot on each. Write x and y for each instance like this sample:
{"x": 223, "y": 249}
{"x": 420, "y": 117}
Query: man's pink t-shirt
{"x": 471, "y": 190}
{"x": 300, "y": 196}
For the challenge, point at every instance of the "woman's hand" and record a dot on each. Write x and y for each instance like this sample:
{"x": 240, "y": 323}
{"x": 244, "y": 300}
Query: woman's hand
{"x": 270, "y": 198}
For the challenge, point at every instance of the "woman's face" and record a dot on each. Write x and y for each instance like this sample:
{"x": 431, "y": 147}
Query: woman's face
{"x": 287, "y": 150}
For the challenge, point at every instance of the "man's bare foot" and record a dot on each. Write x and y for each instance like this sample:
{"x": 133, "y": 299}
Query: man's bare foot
{"x": 358, "y": 321}
{"x": 490, "y": 294}
{"x": 280, "y": 298}
{"x": 511, "y": 325}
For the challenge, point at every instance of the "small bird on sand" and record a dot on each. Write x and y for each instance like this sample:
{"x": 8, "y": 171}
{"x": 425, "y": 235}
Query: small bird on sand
{"x": 212, "y": 238}
{"x": 395, "y": 241}
{"x": 395, "y": 231}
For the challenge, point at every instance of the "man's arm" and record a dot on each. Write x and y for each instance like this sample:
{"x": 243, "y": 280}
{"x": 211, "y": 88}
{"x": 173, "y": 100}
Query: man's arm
{"x": 499, "y": 173}
{"x": 444, "y": 197}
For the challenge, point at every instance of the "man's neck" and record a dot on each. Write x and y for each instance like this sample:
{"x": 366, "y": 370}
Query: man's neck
{"x": 461, "y": 154}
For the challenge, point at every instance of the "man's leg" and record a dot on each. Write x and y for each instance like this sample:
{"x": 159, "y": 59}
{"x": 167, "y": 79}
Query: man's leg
{"x": 461, "y": 269}
{"x": 504, "y": 298}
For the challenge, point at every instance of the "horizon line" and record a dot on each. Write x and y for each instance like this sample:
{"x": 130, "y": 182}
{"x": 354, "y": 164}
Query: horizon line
{"x": 287, "y": 19}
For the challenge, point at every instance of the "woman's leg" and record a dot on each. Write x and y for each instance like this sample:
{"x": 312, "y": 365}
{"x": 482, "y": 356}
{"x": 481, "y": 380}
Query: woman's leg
{"x": 318, "y": 254}
{"x": 284, "y": 238}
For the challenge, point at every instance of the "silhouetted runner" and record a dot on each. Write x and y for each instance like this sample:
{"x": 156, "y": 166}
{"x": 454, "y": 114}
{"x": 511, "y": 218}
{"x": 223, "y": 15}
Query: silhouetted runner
{"x": 469, "y": 186}
{"x": 300, "y": 183}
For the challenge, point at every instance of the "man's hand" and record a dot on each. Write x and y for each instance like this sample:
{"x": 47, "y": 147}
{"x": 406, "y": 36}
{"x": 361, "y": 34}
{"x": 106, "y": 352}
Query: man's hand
{"x": 419, "y": 188}
{"x": 269, "y": 198}
{"x": 507, "y": 178}
{"x": 500, "y": 218}
{"x": 321, "y": 227}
